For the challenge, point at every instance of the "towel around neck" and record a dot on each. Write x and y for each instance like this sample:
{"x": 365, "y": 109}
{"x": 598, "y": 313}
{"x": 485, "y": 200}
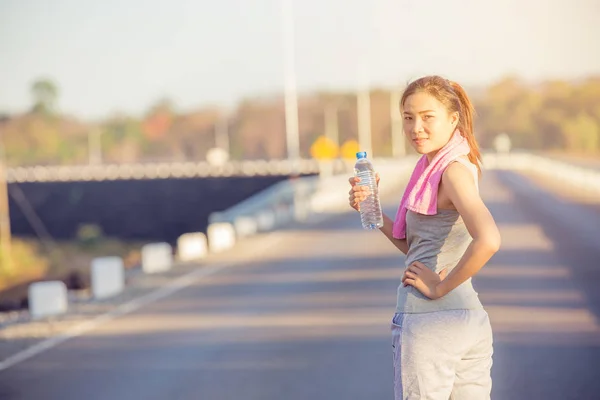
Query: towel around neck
{"x": 421, "y": 193}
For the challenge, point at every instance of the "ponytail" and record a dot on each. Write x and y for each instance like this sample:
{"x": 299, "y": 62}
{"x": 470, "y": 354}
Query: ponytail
{"x": 465, "y": 124}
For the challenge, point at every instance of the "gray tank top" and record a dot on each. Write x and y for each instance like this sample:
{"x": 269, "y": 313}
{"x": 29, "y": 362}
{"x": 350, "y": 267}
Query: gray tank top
{"x": 438, "y": 241}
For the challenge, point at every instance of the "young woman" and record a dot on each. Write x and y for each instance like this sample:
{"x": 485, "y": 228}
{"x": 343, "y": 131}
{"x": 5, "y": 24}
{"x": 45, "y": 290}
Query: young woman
{"x": 441, "y": 334}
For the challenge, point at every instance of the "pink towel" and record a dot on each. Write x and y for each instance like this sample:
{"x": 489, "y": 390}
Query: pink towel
{"x": 421, "y": 192}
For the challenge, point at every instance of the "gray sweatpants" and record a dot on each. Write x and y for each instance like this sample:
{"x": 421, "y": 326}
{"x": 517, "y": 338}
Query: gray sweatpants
{"x": 442, "y": 355}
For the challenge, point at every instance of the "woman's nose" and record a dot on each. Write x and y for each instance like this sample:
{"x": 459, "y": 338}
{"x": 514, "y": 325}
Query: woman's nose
{"x": 417, "y": 125}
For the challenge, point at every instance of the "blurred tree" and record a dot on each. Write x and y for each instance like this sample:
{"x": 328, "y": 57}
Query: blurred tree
{"x": 548, "y": 122}
{"x": 381, "y": 126}
{"x": 45, "y": 95}
{"x": 36, "y": 139}
{"x": 582, "y": 133}
{"x": 122, "y": 139}
{"x": 158, "y": 120}
{"x": 192, "y": 135}
{"x": 261, "y": 129}
{"x": 551, "y": 115}
{"x": 496, "y": 110}
{"x": 586, "y": 97}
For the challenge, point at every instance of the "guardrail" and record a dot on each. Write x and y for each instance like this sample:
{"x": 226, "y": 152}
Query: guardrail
{"x": 296, "y": 199}
{"x": 585, "y": 179}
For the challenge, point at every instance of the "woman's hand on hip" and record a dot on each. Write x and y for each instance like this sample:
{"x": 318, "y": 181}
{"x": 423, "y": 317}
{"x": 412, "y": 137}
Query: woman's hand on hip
{"x": 424, "y": 280}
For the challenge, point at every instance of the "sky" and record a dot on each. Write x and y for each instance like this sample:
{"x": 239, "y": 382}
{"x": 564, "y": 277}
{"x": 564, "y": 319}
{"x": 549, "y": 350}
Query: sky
{"x": 122, "y": 56}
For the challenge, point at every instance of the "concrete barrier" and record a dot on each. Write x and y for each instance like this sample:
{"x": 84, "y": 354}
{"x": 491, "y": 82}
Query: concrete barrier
{"x": 265, "y": 220}
{"x": 221, "y": 236}
{"x": 331, "y": 193}
{"x": 157, "y": 257}
{"x": 283, "y": 215}
{"x": 47, "y": 299}
{"x": 107, "y": 277}
{"x": 192, "y": 246}
{"x": 245, "y": 226}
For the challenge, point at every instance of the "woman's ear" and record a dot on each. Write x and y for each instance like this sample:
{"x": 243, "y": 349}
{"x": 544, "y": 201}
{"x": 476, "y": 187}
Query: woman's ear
{"x": 454, "y": 118}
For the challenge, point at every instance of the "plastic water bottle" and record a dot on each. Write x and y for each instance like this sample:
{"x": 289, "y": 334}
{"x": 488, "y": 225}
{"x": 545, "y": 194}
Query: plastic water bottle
{"x": 370, "y": 209}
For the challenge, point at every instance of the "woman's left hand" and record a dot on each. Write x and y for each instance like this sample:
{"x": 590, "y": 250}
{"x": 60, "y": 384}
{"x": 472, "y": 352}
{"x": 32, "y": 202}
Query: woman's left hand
{"x": 424, "y": 280}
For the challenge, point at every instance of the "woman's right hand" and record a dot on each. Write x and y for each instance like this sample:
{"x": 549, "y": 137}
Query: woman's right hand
{"x": 358, "y": 193}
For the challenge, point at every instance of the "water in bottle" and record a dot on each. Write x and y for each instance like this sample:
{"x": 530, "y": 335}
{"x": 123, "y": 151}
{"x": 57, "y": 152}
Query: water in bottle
{"x": 370, "y": 209}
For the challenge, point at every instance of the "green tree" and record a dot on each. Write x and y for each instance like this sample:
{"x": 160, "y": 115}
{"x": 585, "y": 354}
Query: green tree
{"x": 582, "y": 133}
{"x": 122, "y": 139}
{"x": 45, "y": 96}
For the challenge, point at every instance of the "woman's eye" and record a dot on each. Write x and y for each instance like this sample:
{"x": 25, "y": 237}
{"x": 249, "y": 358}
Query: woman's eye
{"x": 428, "y": 117}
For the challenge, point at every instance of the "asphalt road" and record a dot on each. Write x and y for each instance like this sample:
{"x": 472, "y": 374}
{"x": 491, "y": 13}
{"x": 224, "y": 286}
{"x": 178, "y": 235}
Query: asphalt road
{"x": 304, "y": 313}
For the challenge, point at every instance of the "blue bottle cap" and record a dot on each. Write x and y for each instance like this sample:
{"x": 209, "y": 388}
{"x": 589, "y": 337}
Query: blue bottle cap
{"x": 361, "y": 154}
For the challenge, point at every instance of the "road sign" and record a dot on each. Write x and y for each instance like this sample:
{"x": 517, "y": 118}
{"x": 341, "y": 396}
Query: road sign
{"x": 349, "y": 149}
{"x": 324, "y": 149}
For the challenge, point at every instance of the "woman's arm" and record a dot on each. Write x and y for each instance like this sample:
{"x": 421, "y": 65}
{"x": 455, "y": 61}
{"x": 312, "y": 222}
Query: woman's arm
{"x": 359, "y": 194}
{"x": 462, "y": 192}
{"x": 387, "y": 228}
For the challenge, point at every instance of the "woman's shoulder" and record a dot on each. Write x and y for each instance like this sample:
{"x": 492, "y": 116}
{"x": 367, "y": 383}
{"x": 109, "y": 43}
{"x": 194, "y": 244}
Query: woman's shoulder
{"x": 463, "y": 160}
{"x": 461, "y": 168}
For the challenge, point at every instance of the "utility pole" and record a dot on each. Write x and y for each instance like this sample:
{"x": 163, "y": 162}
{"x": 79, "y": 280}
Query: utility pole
{"x": 363, "y": 105}
{"x": 398, "y": 141}
{"x": 5, "y": 234}
{"x": 331, "y": 124}
{"x": 364, "y": 121}
{"x": 222, "y": 133}
{"x": 291, "y": 99}
{"x": 94, "y": 147}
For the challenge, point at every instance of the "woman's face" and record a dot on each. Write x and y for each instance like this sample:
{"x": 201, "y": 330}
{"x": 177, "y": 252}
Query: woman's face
{"x": 427, "y": 123}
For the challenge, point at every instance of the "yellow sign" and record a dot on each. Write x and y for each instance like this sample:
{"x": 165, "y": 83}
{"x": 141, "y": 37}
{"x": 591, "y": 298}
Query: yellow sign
{"x": 324, "y": 149}
{"x": 349, "y": 149}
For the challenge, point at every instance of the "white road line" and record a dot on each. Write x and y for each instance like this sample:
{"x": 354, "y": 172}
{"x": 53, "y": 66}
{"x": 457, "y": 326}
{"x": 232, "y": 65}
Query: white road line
{"x": 126, "y": 308}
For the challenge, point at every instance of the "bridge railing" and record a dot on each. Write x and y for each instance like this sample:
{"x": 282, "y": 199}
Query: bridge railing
{"x": 164, "y": 170}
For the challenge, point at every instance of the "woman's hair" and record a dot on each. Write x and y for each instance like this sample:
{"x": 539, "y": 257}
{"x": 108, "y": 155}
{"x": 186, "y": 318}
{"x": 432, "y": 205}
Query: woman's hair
{"x": 455, "y": 99}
